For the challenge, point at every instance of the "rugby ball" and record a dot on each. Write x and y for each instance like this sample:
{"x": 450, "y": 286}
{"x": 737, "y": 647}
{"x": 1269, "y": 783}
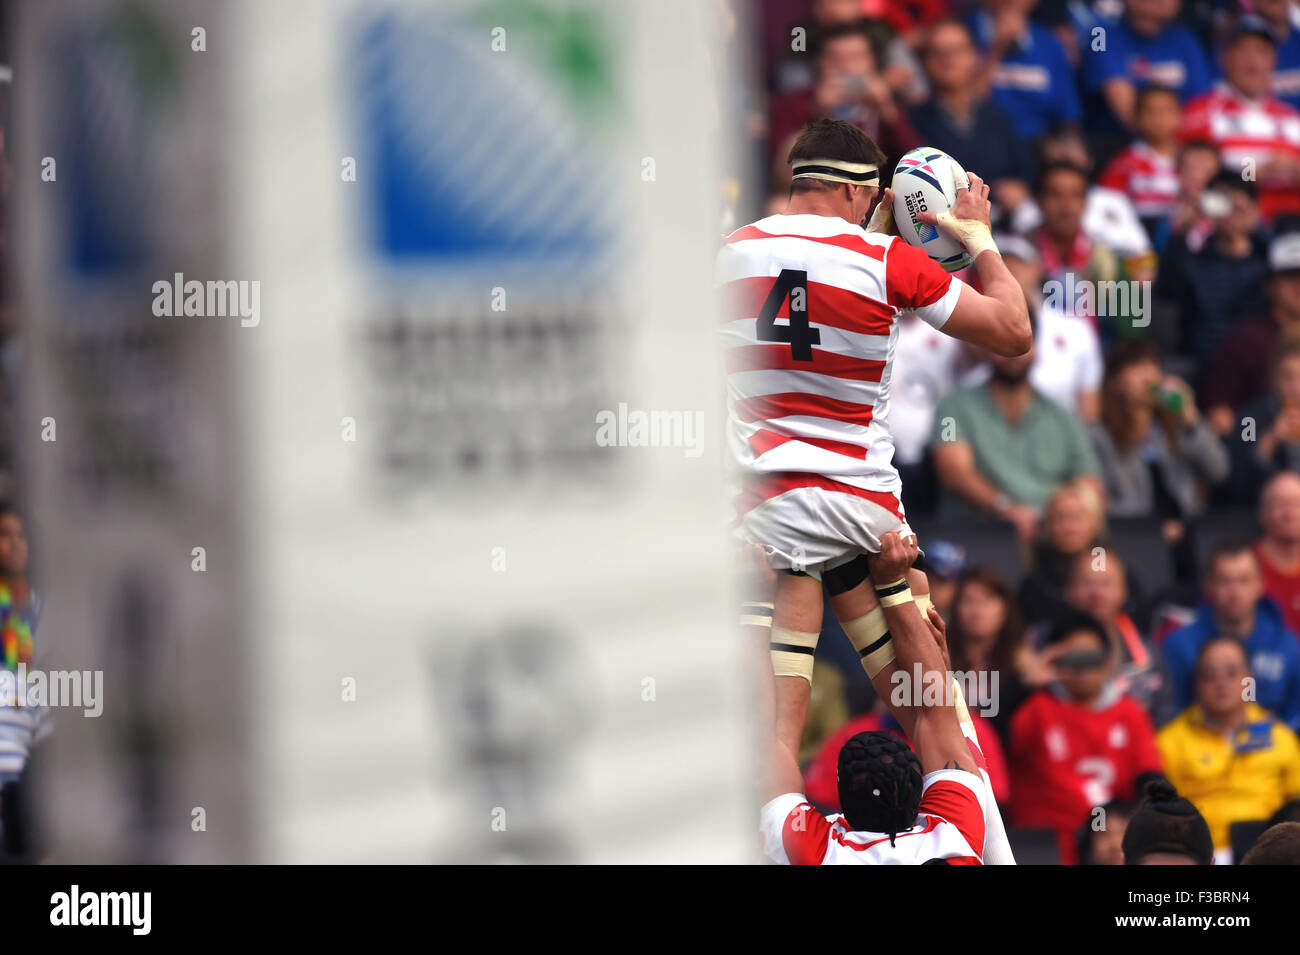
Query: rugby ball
{"x": 927, "y": 180}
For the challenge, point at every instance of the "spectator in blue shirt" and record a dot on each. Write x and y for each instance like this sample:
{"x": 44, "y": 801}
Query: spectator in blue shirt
{"x": 1027, "y": 70}
{"x": 1144, "y": 46}
{"x": 1237, "y": 608}
{"x": 965, "y": 124}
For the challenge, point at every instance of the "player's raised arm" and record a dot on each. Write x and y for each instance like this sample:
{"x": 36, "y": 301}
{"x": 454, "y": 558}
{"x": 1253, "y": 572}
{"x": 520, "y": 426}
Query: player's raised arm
{"x": 998, "y": 318}
{"x": 936, "y": 730}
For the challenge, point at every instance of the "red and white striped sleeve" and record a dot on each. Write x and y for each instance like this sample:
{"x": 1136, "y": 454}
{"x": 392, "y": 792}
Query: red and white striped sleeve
{"x": 915, "y": 283}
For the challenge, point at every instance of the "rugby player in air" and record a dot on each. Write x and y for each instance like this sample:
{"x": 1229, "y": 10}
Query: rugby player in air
{"x": 809, "y": 395}
{"x": 812, "y": 301}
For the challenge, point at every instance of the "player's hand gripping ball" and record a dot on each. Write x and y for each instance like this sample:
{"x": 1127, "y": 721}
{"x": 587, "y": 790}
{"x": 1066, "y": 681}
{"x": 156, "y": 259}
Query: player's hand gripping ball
{"x": 926, "y": 180}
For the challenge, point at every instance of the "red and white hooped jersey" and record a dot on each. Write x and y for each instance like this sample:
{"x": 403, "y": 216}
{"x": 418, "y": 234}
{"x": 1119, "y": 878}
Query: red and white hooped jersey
{"x": 811, "y": 394}
{"x": 949, "y": 825}
{"x": 1148, "y": 178}
{"x": 1250, "y": 134}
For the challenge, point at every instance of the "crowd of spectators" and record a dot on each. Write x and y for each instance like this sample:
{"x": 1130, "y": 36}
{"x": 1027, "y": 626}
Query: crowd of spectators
{"x": 1142, "y": 464}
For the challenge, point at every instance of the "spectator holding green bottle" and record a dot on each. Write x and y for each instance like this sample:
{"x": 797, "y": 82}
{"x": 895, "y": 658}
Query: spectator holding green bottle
{"x": 1157, "y": 456}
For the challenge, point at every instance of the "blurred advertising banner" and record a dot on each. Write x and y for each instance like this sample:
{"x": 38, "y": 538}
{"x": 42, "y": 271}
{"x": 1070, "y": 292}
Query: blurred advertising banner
{"x": 129, "y": 421}
{"x": 388, "y": 484}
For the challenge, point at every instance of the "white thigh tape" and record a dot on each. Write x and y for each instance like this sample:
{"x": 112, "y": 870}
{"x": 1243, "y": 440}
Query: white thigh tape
{"x": 792, "y": 653}
{"x": 870, "y": 636}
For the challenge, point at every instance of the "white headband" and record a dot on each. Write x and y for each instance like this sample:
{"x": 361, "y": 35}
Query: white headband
{"x": 836, "y": 170}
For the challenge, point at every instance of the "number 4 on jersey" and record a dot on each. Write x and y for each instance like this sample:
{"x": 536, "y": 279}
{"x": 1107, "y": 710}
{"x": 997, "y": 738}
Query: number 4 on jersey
{"x": 792, "y": 284}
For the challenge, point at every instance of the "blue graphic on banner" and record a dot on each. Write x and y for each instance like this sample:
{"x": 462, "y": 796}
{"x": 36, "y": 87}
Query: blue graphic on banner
{"x": 474, "y": 155}
{"x": 116, "y": 86}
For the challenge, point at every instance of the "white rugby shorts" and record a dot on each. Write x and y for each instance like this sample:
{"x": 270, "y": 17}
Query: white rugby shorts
{"x": 811, "y": 524}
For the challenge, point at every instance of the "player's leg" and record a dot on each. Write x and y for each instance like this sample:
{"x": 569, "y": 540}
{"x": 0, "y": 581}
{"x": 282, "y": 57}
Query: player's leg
{"x": 788, "y": 528}
{"x": 796, "y": 623}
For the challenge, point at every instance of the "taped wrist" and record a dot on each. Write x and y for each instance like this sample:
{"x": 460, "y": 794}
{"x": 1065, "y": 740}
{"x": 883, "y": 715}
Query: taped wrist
{"x": 975, "y": 235}
{"x": 792, "y": 653}
{"x": 891, "y": 595}
{"x": 870, "y": 636}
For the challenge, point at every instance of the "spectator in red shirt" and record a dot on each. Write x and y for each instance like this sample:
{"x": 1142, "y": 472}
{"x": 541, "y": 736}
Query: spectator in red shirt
{"x": 1279, "y": 548}
{"x": 1256, "y": 132}
{"x": 1147, "y": 171}
{"x": 849, "y": 87}
{"x": 1079, "y": 744}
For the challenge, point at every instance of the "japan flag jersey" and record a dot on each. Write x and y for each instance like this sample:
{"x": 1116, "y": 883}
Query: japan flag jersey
{"x": 949, "y": 825}
{"x": 810, "y": 313}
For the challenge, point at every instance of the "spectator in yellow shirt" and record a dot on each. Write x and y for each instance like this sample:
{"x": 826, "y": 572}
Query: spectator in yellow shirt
{"x": 1229, "y": 755}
